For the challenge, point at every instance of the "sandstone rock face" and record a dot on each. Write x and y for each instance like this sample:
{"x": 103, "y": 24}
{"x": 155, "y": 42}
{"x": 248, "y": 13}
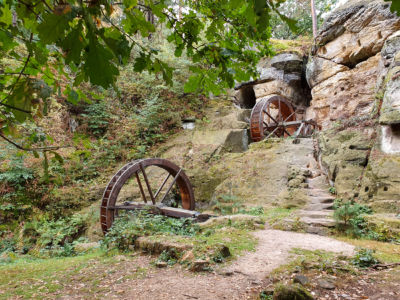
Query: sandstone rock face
{"x": 344, "y": 95}
{"x": 353, "y": 34}
{"x": 353, "y": 50}
{"x": 344, "y": 156}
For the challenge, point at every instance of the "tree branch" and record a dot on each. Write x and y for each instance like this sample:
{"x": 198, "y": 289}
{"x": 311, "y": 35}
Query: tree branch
{"x": 16, "y": 108}
{"x": 30, "y": 149}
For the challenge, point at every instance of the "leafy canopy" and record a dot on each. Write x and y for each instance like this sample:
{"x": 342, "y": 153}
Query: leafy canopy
{"x": 60, "y": 44}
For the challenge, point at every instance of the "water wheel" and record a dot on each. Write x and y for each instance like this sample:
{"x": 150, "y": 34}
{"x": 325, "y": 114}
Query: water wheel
{"x": 135, "y": 182}
{"x": 272, "y": 116}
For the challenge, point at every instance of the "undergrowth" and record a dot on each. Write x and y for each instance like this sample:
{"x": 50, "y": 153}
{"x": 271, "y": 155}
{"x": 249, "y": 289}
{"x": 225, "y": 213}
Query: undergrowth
{"x": 351, "y": 219}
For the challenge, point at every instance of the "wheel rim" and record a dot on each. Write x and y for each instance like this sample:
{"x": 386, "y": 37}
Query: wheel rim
{"x": 267, "y": 113}
{"x": 176, "y": 177}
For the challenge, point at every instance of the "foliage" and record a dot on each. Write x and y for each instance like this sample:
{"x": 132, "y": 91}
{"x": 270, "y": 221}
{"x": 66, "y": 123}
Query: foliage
{"x": 60, "y": 45}
{"x": 17, "y": 174}
{"x": 395, "y": 7}
{"x": 127, "y": 229}
{"x": 98, "y": 117}
{"x": 14, "y": 201}
{"x": 170, "y": 257}
{"x": 301, "y": 12}
{"x": 350, "y": 217}
{"x": 60, "y": 232}
{"x": 365, "y": 258}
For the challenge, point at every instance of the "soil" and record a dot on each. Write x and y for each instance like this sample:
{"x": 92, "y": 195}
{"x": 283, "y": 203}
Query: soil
{"x": 240, "y": 280}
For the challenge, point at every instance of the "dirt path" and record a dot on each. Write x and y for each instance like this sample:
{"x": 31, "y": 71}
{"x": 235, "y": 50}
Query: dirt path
{"x": 236, "y": 281}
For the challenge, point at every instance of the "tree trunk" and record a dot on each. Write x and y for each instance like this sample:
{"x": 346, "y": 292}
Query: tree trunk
{"x": 314, "y": 19}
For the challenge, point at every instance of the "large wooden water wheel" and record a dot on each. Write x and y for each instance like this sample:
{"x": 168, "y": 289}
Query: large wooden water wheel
{"x": 132, "y": 186}
{"x": 269, "y": 116}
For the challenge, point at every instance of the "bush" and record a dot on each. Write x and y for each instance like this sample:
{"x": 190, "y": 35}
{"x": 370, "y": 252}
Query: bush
{"x": 127, "y": 229}
{"x": 55, "y": 238}
{"x": 364, "y": 258}
{"x": 350, "y": 217}
{"x": 98, "y": 118}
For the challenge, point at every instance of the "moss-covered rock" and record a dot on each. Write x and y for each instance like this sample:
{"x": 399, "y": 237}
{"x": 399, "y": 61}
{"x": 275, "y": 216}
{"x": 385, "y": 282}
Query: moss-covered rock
{"x": 291, "y": 292}
{"x": 344, "y": 155}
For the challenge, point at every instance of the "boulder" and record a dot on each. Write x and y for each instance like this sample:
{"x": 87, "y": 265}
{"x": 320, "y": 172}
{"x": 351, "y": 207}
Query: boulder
{"x": 287, "y": 62}
{"x": 290, "y": 292}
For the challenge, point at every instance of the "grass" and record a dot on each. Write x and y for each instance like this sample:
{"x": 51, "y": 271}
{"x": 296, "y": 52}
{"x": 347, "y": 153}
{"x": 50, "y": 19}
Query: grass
{"x": 46, "y": 278}
{"x": 385, "y": 252}
{"x": 315, "y": 261}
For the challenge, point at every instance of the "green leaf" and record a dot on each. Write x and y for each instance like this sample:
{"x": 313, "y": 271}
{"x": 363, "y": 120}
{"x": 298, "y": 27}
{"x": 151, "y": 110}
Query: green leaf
{"x": 193, "y": 84}
{"x": 395, "y": 7}
{"x": 6, "y": 15}
{"x": 21, "y": 98}
{"x": 73, "y": 45}
{"x": 98, "y": 64}
{"x": 52, "y": 28}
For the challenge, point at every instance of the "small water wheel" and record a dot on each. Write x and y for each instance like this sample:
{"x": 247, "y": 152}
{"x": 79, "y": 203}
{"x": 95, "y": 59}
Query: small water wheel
{"x": 135, "y": 181}
{"x": 272, "y": 116}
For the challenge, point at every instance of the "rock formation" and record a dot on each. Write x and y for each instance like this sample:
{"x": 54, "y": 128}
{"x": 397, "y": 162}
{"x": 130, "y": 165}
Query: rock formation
{"x": 355, "y": 98}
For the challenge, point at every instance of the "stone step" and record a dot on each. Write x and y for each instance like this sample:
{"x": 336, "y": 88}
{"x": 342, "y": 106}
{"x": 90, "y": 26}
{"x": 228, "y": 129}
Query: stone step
{"x": 322, "y": 199}
{"x": 319, "y": 230}
{"x": 319, "y": 182}
{"x": 320, "y": 206}
{"x": 324, "y": 222}
{"x": 319, "y": 192}
{"x": 317, "y": 214}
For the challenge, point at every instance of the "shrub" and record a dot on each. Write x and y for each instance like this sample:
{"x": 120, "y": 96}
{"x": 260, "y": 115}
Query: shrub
{"x": 127, "y": 229}
{"x": 97, "y": 117}
{"x": 350, "y": 217}
{"x": 55, "y": 237}
{"x": 364, "y": 258}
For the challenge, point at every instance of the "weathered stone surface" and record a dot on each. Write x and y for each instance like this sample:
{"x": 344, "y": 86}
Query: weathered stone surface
{"x": 223, "y": 220}
{"x": 292, "y": 91}
{"x": 290, "y": 292}
{"x": 266, "y": 173}
{"x": 380, "y": 186}
{"x": 320, "y": 69}
{"x": 326, "y": 284}
{"x": 153, "y": 246}
{"x": 299, "y": 278}
{"x": 390, "y": 111}
{"x": 199, "y": 266}
{"x": 344, "y": 155}
{"x": 392, "y": 46}
{"x": 356, "y": 33}
{"x": 346, "y": 94}
{"x": 288, "y": 62}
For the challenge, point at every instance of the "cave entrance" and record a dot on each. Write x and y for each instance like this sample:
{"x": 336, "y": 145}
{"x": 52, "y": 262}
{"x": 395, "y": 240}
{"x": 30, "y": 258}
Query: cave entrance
{"x": 247, "y": 97}
{"x": 391, "y": 138}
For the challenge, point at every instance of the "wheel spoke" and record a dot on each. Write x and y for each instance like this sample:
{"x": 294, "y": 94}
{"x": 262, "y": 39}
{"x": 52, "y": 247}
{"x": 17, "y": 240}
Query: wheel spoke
{"x": 161, "y": 186}
{"x": 140, "y": 187}
{"x": 171, "y": 185}
{"x": 147, "y": 184}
